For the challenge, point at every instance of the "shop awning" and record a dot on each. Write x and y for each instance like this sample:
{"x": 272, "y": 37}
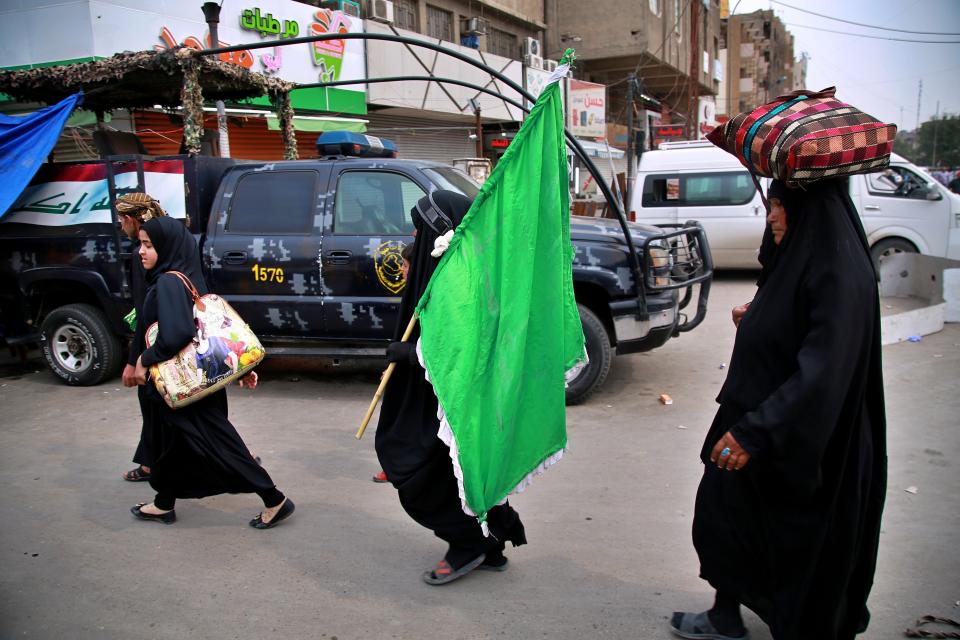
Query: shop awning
{"x": 600, "y": 149}
{"x": 319, "y": 123}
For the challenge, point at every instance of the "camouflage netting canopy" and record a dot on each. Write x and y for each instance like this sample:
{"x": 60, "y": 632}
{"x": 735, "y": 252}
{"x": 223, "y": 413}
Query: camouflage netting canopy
{"x": 177, "y": 77}
{"x": 138, "y": 80}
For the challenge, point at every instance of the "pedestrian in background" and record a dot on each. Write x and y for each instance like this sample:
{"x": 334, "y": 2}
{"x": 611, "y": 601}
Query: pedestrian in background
{"x": 197, "y": 451}
{"x": 787, "y": 517}
{"x": 133, "y": 209}
{"x": 954, "y": 184}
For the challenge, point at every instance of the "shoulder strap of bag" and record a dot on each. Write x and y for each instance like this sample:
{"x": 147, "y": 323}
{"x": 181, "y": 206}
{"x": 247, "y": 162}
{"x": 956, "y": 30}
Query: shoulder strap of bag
{"x": 763, "y": 196}
{"x": 197, "y": 301}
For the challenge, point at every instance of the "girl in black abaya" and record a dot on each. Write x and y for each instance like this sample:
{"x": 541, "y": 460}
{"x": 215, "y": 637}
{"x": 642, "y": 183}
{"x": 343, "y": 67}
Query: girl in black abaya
{"x": 787, "y": 517}
{"x": 197, "y": 452}
{"x": 413, "y": 457}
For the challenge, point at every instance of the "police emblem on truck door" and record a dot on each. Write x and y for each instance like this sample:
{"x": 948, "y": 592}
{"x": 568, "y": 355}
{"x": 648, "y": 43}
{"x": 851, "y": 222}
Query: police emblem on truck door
{"x": 389, "y": 266}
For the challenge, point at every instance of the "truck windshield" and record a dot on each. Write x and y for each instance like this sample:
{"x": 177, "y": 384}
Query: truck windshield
{"x": 453, "y": 180}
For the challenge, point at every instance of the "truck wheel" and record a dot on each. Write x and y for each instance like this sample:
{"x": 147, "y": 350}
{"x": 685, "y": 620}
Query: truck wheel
{"x": 79, "y": 346}
{"x": 888, "y": 247}
{"x": 600, "y": 353}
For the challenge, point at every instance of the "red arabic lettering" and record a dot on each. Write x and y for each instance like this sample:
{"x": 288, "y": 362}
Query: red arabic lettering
{"x": 242, "y": 58}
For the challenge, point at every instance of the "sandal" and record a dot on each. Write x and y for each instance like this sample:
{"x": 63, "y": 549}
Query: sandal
{"x": 166, "y": 518}
{"x": 697, "y": 626}
{"x": 917, "y": 632}
{"x": 380, "y": 477}
{"x": 136, "y": 475}
{"x": 444, "y": 573}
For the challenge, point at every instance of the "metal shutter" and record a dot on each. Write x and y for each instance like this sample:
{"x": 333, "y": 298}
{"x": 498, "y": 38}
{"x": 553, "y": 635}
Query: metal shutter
{"x": 425, "y": 138}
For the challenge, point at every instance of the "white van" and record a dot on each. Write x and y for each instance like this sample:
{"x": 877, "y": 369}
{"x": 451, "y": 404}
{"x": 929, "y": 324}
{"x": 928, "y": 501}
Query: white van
{"x": 902, "y": 208}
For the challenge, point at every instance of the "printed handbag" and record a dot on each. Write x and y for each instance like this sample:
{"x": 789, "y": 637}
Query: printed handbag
{"x": 805, "y": 136}
{"x": 223, "y": 350}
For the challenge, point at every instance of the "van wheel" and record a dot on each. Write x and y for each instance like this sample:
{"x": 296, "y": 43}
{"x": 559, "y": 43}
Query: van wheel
{"x": 888, "y": 247}
{"x": 598, "y": 351}
{"x": 79, "y": 346}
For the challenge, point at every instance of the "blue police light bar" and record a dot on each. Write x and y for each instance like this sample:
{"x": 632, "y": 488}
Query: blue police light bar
{"x": 348, "y": 143}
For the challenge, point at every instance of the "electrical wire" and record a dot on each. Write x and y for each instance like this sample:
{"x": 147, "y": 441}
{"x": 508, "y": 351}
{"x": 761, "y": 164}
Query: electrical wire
{"x": 864, "y": 35}
{"x": 861, "y": 24}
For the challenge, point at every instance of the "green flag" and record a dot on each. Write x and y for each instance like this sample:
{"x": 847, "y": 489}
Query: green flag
{"x": 499, "y": 326}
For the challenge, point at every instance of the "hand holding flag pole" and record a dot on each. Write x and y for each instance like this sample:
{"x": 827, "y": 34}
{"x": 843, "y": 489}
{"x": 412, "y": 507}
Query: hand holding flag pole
{"x": 384, "y": 380}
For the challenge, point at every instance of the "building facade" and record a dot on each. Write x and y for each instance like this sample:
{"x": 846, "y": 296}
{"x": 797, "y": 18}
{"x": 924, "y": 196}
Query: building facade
{"x": 671, "y": 45}
{"x": 760, "y": 61}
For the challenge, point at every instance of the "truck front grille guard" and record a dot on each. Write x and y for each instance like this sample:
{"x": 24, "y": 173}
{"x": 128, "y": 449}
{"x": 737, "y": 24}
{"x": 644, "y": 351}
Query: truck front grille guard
{"x": 687, "y": 263}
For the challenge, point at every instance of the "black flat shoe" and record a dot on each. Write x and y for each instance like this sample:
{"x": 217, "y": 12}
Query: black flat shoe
{"x": 285, "y": 512}
{"x": 166, "y": 518}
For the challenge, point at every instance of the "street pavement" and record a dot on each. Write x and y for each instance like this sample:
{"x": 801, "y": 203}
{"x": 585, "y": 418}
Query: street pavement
{"x": 610, "y": 554}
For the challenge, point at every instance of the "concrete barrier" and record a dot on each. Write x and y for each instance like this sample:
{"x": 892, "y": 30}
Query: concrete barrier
{"x": 933, "y": 282}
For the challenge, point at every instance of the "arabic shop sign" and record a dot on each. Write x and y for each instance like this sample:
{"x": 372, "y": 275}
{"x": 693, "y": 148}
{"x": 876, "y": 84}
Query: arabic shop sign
{"x": 62, "y": 195}
{"x": 588, "y": 109}
{"x": 136, "y": 25}
{"x": 266, "y": 25}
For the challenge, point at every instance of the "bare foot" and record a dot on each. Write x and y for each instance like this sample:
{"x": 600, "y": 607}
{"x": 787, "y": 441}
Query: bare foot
{"x": 267, "y": 514}
{"x": 151, "y": 509}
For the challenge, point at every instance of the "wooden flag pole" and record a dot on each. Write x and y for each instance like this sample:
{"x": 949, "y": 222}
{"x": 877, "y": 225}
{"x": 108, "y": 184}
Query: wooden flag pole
{"x": 384, "y": 380}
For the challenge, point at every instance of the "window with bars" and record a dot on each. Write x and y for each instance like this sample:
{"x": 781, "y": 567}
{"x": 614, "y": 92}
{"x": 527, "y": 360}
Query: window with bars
{"x": 439, "y": 23}
{"x": 503, "y": 43}
{"x": 405, "y": 15}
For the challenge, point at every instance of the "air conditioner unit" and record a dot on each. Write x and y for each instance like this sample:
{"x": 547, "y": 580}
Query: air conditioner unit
{"x": 473, "y": 27}
{"x": 532, "y": 61}
{"x": 550, "y": 65}
{"x": 531, "y": 47}
{"x": 381, "y": 11}
{"x": 350, "y": 8}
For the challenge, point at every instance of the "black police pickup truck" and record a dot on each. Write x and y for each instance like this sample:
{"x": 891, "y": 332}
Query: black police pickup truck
{"x": 307, "y": 251}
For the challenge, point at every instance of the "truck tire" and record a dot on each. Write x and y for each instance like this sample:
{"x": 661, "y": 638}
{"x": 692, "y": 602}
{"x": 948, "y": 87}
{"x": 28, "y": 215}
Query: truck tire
{"x": 598, "y": 351}
{"x": 79, "y": 346}
{"x": 888, "y": 247}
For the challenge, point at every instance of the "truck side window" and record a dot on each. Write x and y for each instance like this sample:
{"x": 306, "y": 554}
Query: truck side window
{"x": 273, "y": 202}
{"x": 698, "y": 189}
{"x": 375, "y": 203}
{"x": 896, "y": 182}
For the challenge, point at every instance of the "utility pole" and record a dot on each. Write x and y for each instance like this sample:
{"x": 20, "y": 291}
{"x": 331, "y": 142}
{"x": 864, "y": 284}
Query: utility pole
{"x": 694, "y": 84}
{"x": 211, "y": 13}
{"x": 630, "y": 146}
{"x": 478, "y": 126}
{"x": 919, "y": 96}
{"x": 936, "y": 121}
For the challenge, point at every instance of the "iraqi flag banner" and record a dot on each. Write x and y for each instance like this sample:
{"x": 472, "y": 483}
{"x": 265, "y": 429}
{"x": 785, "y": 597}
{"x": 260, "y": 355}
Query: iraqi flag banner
{"x": 499, "y": 326}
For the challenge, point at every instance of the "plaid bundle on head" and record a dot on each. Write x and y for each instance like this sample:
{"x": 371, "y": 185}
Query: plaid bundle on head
{"x": 805, "y": 136}
{"x": 140, "y": 206}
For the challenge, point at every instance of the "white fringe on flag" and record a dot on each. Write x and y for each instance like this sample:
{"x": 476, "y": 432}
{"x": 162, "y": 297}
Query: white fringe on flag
{"x": 445, "y": 433}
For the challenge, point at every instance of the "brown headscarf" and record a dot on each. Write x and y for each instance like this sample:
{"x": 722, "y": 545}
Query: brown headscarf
{"x": 140, "y": 206}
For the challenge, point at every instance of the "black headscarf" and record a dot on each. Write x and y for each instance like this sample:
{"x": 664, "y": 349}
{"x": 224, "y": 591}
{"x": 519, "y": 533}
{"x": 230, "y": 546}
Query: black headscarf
{"x": 407, "y": 430}
{"x": 826, "y": 195}
{"x": 422, "y": 264}
{"x": 176, "y": 251}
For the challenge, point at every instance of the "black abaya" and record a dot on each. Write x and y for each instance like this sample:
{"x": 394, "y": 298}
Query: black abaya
{"x": 197, "y": 451}
{"x": 413, "y": 457}
{"x": 138, "y": 285}
{"x": 794, "y": 534}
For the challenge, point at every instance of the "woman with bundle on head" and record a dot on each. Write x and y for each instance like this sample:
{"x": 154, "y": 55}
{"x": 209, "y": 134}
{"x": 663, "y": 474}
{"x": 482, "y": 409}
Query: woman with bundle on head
{"x": 411, "y": 454}
{"x": 197, "y": 451}
{"x": 787, "y": 518}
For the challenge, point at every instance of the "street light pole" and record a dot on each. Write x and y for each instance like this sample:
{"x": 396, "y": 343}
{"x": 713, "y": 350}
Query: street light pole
{"x": 211, "y": 13}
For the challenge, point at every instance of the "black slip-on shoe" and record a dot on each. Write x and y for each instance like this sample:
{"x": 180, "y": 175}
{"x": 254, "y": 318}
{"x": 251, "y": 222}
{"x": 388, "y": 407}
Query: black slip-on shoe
{"x": 166, "y": 518}
{"x": 285, "y": 512}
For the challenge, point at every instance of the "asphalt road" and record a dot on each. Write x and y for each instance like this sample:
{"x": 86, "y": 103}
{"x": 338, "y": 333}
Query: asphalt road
{"x": 609, "y": 527}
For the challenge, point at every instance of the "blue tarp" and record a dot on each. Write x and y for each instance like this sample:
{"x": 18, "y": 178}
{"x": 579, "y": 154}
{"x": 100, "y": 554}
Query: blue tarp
{"x": 25, "y": 143}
